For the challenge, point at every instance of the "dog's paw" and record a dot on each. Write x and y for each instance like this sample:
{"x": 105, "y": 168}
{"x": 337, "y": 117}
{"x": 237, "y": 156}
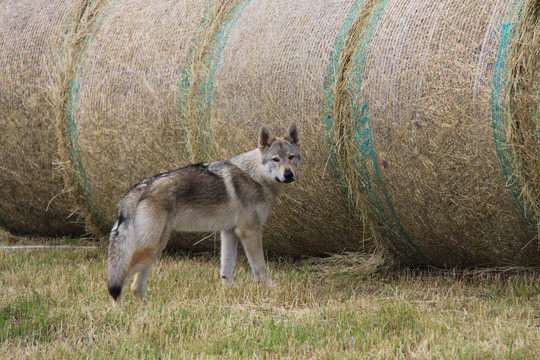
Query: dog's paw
{"x": 227, "y": 281}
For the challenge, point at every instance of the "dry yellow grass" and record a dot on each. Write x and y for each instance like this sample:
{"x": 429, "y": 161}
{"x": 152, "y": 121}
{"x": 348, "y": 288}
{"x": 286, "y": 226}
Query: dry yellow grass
{"x": 54, "y": 304}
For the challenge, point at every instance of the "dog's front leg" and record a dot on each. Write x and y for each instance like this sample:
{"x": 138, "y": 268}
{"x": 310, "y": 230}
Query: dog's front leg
{"x": 229, "y": 249}
{"x": 252, "y": 241}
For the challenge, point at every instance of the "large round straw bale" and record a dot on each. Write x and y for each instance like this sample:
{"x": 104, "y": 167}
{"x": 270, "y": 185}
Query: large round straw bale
{"x": 163, "y": 84}
{"x": 32, "y": 193}
{"x": 121, "y": 121}
{"x": 436, "y": 132}
{"x": 272, "y": 71}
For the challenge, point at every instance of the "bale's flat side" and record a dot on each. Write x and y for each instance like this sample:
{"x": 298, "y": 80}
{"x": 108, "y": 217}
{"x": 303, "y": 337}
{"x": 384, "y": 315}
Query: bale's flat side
{"x": 272, "y": 71}
{"x": 420, "y": 135}
{"x": 124, "y": 102}
{"x": 33, "y": 197}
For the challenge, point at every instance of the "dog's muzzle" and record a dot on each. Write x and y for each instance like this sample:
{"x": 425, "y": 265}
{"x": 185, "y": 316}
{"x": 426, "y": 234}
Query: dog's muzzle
{"x": 288, "y": 177}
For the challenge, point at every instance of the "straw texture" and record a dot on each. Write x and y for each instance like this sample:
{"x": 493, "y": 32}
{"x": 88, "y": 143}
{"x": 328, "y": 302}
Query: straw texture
{"x": 272, "y": 71}
{"x": 150, "y": 96}
{"x": 33, "y": 197}
{"x": 419, "y": 120}
{"x": 121, "y": 119}
{"x": 415, "y": 138}
{"x": 519, "y": 110}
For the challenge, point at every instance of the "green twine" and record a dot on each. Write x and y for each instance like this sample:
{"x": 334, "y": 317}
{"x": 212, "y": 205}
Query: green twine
{"x": 77, "y": 165}
{"x": 500, "y": 115}
{"x": 205, "y": 84}
{"x": 361, "y": 138}
{"x": 182, "y": 121}
{"x": 328, "y": 96}
{"x": 364, "y": 142}
{"x": 535, "y": 105}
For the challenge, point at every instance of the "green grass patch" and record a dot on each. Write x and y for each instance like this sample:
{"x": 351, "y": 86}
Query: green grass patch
{"x": 54, "y": 305}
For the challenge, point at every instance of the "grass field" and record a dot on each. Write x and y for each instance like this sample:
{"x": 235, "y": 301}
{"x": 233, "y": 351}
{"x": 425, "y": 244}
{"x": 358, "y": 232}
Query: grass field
{"x": 54, "y": 305}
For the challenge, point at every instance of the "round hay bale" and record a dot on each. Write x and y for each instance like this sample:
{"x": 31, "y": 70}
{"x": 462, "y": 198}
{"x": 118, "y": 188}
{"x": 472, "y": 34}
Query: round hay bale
{"x": 272, "y": 71}
{"x": 34, "y": 199}
{"x": 434, "y": 124}
{"x": 121, "y": 123}
{"x": 160, "y": 85}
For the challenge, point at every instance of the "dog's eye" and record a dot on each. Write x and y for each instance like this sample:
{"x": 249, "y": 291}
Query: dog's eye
{"x": 291, "y": 157}
{"x": 275, "y": 159}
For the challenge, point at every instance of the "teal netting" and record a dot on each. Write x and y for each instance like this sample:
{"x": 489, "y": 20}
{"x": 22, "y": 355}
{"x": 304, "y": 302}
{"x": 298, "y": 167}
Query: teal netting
{"x": 77, "y": 165}
{"x": 328, "y": 96}
{"x": 361, "y": 138}
{"x": 500, "y": 114}
{"x": 200, "y": 127}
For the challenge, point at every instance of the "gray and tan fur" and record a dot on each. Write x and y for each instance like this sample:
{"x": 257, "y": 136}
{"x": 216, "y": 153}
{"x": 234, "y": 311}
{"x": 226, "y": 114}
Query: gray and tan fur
{"x": 232, "y": 196}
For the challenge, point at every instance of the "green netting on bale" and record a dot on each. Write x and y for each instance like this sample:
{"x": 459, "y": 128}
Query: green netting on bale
{"x": 79, "y": 174}
{"x": 504, "y": 125}
{"x": 332, "y": 75}
{"x": 196, "y": 81}
{"x": 407, "y": 122}
{"x": 364, "y": 159}
{"x": 358, "y": 133}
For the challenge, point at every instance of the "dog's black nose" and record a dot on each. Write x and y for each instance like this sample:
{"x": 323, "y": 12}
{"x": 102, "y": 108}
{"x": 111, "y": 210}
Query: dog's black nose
{"x": 288, "y": 175}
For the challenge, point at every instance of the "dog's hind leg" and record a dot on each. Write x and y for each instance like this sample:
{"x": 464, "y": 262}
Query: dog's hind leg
{"x": 138, "y": 287}
{"x": 142, "y": 264}
{"x": 229, "y": 249}
{"x": 154, "y": 232}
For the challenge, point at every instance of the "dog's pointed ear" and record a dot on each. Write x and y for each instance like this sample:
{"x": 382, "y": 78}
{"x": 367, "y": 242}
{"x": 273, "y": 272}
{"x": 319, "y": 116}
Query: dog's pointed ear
{"x": 266, "y": 138}
{"x": 292, "y": 134}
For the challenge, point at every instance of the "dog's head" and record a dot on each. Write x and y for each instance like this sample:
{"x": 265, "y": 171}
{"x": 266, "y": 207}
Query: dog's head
{"x": 280, "y": 156}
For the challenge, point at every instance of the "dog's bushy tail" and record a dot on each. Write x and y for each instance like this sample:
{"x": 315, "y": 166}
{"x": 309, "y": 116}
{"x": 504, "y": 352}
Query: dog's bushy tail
{"x": 121, "y": 244}
{"x": 117, "y": 266}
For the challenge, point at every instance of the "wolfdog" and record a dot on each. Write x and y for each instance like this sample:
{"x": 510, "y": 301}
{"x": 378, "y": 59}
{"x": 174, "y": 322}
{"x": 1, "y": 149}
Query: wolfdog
{"x": 232, "y": 196}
